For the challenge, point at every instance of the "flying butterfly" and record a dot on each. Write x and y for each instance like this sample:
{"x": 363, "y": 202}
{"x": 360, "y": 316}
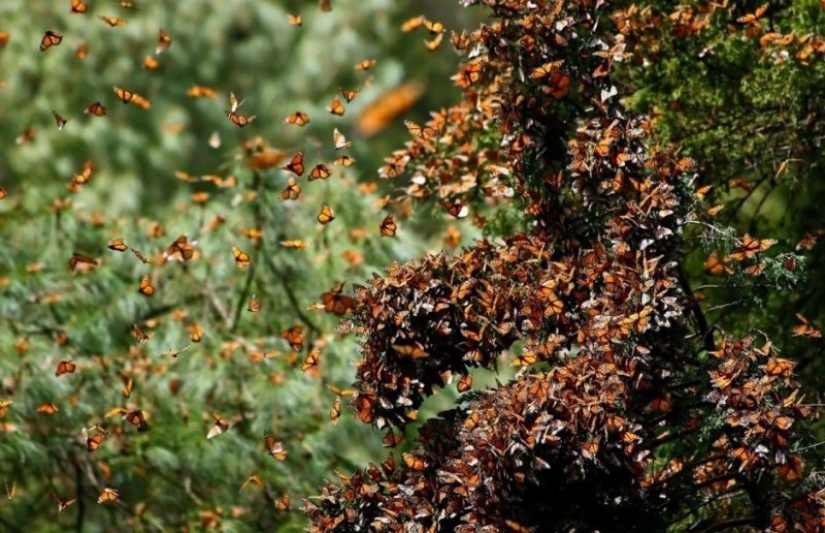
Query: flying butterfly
{"x": 546, "y": 69}
{"x": 254, "y": 305}
{"x": 274, "y": 447}
{"x": 366, "y": 64}
{"x": 456, "y": 209}
{"x": 164, "y": 41}
{"x": 320, "y": 172}
{"x": 108, "y": 495}
{"x": 325, "y": 5}
{"x": 349, "y": 95}
{"x": 180, "y": 250}
{"x": 146, "y": 287}
{"x": 150, "y": 63}
{"x": 61, "y": 122}
{"x": 335, "y": 412}
{"x": 388, "y": 226}
{"x": 433, "y": 44}
{"x": 805, "y": 329}
{"x": 252, "y": 479}
{"x": 296, "y": 166}
{"x": 295, "y": 337}
{"x": 47, "y": 408}
{"x": 298, "y": 118}
{"x": 81, "y": 261}
{"x": 240, "y": 120}
{"x": 292, "y": 191}
{"x": 312, "y": 360}
{"x": 112, "y": 21}
{"x": 326, "y": 215}
{"x": 242, "y": 259}
{"x": 294, "y": 20}
{"x": 65, "y": 367}
{"x": 388, "y": 106}
{"x": 124, "y": 95}
{"x": 424, "y": 132}
{"x": 50, "y": 38}
{"x": 283, "y": 503}
{"x": 195, "y": 332}
{"x": 340, "y": 140}
{"x": 78, "y": 7}
{"x": 93, "y": 442}
{"x": 137, "y": 418}
{"x": 61, "y": 503}
{"x": 344, "y": 160}
{"x": 139, "y": 335}
{"x": 117, "y": 245}
{"x": 336, "y": 303}
{"x": 97, "y": 109}
{"x": 81, "y": 51}
{"x": 218, "y": 428}
{"x": 412, "y": 24}
{"x": 336, "y": 107}
{"x": 753, "y": 18}
{"x": 294, "y": 244}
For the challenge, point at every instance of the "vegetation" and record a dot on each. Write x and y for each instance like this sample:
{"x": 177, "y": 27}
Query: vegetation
{"x": 211, "y": 303}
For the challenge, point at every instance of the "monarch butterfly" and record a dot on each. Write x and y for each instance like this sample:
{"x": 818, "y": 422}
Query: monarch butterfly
{"x": 81, "y": 51}
{"x": 199, "y": 91}
{"x": 27, "y": 136}
{"x": 112, "y": 21}
{"x": 254, "y": 305}
{"x": 465, "y": 383}
{"x": 78, "y": 7}
{"x": 50, "y": 38}
{"x": 311, "y": 361}
{"x": 807, "y": 242}
{"x": 779, "y": 367}
{"x": 325, "y": 5}
{"x": 791, "y": 470}
{"x": 139, "y": 335}
{"x": 93, "y": 442}
{"x": 413, "y": 351}
{"x": 349, "y": 95}
{"x": 275, "y": 448}
{"x": 366, "y": 64}
{"x": 460, "y": 41}
{"x": 326, "y": 215}
{"x": 296, "y": 166}
{"x": 240, "y": 120}
{"x": 425, "y": 132}
{"x": 433, "y": 44}
{"x": 340, "y": 141}
{"x": 412, "y": 24}
{"x": 345, "y": 160}
{"x": 546, "y": 69}
{"x": 48, "y": 408}
{"x": 295, "y": 337}
{"x": 65, "y": 367}
{"x": 146, "y": 287}
{"x": 86, "y": 170}
{"x": 108, "y": 495}
{"x": 292, "y": 190}
{"x": 181, "y": 249}
{"x": 298, "y": 118}
{"x": 335, "y": 412}
{"x": 164, "y": 41}
{"x": 3, "y": 193}
{"x": 805, "y": 329}
{"x": 294, "y": 20}
{"x": 336, "y": 108}
{"x": 150, "y": 63}
{"x": 138, "y": 419}
{"x": 218, "y": 428}
{"x": 434, "y": 27}
{"x": 414, "y": 462}
{"x": 242, "y": 259}
{"x": 295, "y": 244}
{"x": 61, "y": 122}
{"x": 752, "y": 18}
{"x": 750, "y": 247}
{"x": 387, "y": 107}
{"x": 252, "y": 479}
{"x": 388, "y": 226}
{"x": 80, "y": 259}
{"x": 97, "y": 109}
{"x": 336, "y": 303}
{"x": 283, "y": 503}
{"x": 61, "y": 503}
{"x": 456, "y": 209}
{"x": 320, "y": 172}
{"x": 195, "y": 332}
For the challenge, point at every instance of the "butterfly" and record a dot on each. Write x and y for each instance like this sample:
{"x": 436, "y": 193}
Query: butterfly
{"x": 294, "y": 20}
{"x": 433, "y": 44}
{"x": 456, "y": 209}
{"x": 108, "y": 495}
{"x": 61, "y": 122}
{"x": 387, "y": 107}
{"x": 388, "y": 226}
{"x": 345, "y": 160}
{"x": 292, "y": 191}
{"x": 118, "y": 245}
{"x": 181, "y": 249}
{"x": 752, "y": 18}
{"x": 311, "y": 361}
{"x": 326, "y": 215}
{"x": 195, "y": 332}
{"x": 340, "y": 141}
{"x": 65, "y": 367}
{"x": 61, "y": 503}
{"x": 365, "y": 64}
{"x": 336, "y": 108}
{"x": 164, "y": 41}
{"x": 78, "y": 7}
{"x": 27, "y": 136}
{"x": 805, "y": 329}
{"x": 320, "y": 172}
{"x": 48, "y": 408}
{"x": 298, "y": 118}
{"x": 283, "y": 503}
{"x": 50, "y": 38}
{"x": 150, "y": 63}
{"x": 146, "y": 287}
{"x": 325, "y": 5}
{"x": 242, "y": 259}
{"x": 413, "y": 351}
{"x": 349, "y": 95}
{"x": 86, "y": 171}
{"x": 414, "y": 462}
{"x": 423, "y": 132}
{"x": 124, "y": 95}
{"x": 750, "y": 247}
{"x": 460, "y": 41}
{"x": 93, "y": 442}
{"x": 412, "y": 24}
{"x": 97, "y": 109}
{"x": 275, "y": 448}
{"x": 81, "y": 51}
{"x": 81, "y": 259}
{"x": 240, "y": 120}
{"x": 218, "y": 428}
{"x": 3, "y": 193}
{"x": 335, "y": 412}
{"x": 112, "y": 21}
{"x": 252, "y": 479}
{"x": 138, "y": 419}
{"x": 199, "y": 91}
{"x": 546, "y": 69}
{"x": 465, "y": 383}
{"x": 294, "y": 244}
{"x": 254, "y": 305}
{"x": 139, "y": 335}
{"x": 336, "y": 303}
{"x": 295, "y": 337}
{"x": 296, "y": 166}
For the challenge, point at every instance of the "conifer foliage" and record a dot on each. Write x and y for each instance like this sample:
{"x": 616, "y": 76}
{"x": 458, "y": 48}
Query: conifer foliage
{"x": 630, "y": 413}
